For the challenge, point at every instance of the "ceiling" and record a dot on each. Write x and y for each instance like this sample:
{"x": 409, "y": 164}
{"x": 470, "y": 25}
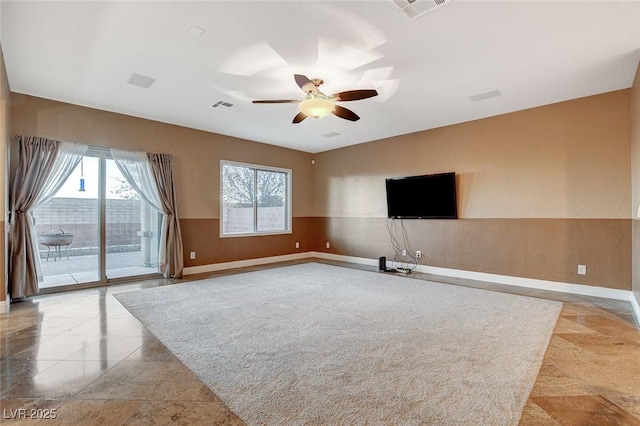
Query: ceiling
{"x": 425, "y": 69}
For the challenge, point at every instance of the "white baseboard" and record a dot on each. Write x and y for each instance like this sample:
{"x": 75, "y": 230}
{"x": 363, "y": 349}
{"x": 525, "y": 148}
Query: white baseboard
{"x": 4, "y": 306}
{"x": 190, "y": 270}
{"x": 635, "y": 304}
{"x": 585, "y": 290}
{"x": 341, "y": 258}
{"x": 562, "y": 287}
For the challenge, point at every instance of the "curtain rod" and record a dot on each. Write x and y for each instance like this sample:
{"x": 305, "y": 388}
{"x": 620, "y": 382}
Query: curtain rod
{"x": 92, "y": 148}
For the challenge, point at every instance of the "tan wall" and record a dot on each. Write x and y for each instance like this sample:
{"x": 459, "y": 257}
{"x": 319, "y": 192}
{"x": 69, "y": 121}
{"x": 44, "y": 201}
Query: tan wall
{"x": 5, "y": 125}
{"x": 568, "y": 160}
{"x": 217, "y": 250}
{"x": 196, "y": 154}
{"x": 545, "y": 249}
{"x": 197, "y": 158}
{"x": 527, "y": 181}
{"x": 635, "y": 180}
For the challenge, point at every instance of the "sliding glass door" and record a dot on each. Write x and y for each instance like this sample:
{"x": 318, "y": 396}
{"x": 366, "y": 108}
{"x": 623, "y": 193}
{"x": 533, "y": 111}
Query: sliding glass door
{"x": 67, "y": 229}
{"x": 132, "y": 229}
{"x": 96, "y": 228}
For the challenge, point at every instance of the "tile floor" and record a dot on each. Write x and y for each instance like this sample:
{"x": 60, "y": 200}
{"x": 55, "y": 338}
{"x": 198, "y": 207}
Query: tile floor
{"x": 85, "y": 359}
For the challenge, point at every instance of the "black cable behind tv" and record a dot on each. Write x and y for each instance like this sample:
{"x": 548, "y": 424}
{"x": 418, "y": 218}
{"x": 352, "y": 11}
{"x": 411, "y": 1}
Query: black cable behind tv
{"x": 422, "y": 197}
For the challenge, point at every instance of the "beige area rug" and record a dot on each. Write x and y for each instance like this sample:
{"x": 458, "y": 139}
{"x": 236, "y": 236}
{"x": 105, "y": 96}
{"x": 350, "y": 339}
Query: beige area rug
{"x": 321, "y": 344}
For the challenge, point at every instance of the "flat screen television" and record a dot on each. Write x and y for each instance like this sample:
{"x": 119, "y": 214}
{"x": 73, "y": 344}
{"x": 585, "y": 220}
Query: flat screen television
{"x": 422, "y": 197}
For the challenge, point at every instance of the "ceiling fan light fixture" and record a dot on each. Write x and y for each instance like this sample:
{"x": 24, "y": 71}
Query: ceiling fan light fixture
{"x": 316, "y": 105}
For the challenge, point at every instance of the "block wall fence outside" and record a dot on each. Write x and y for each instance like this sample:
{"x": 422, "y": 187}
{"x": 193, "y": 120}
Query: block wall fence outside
{"x": 240, "y": 219}
{"x": 79, "y": 216}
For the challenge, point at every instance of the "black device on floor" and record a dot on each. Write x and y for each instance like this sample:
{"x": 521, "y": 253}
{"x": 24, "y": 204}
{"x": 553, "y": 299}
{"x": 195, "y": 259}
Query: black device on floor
{"x": 382, "y": 265}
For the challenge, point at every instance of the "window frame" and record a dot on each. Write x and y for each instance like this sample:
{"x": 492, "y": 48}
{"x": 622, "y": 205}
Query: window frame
{"x": 288, "y": 200}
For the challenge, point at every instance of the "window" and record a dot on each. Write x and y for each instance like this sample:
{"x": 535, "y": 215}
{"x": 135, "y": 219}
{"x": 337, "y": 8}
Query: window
{"x": 255, "y": 200}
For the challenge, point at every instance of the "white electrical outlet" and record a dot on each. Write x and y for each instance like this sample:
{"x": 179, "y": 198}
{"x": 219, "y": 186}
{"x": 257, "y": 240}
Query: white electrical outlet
{"x": 328, "y": 245}
{"x": 404, "y": 252}
{"x": 297, "y": 244}
{"x": 418, "y": 254}
{"x": 582, "y": 269}
{"x": 192, "y": 255}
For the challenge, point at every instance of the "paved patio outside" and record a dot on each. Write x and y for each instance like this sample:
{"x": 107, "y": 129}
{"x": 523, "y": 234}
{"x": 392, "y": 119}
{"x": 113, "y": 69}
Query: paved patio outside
{"x": 83, "y": 269}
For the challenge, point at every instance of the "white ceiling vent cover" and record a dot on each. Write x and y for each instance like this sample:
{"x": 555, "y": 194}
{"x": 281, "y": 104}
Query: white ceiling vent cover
{"x": 224, "y": 106}
{"x": 415, "y": 8}
{"x": 331, "y": 135}
{"x": 141, "y": 81}
{"x": 485, "y": 95}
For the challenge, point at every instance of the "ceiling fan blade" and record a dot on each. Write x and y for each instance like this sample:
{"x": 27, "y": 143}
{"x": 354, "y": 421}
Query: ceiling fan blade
{"x": 347, "y": 114}
{"x": 277, "y": 101}
{"x": 355, "y": 95}
{"x": 305, "y": 84}
{"x": 298, "y": 118}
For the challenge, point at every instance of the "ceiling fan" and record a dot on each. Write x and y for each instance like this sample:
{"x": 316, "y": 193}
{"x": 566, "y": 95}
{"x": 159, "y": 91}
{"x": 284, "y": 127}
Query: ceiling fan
{"x": 317, "y": 104}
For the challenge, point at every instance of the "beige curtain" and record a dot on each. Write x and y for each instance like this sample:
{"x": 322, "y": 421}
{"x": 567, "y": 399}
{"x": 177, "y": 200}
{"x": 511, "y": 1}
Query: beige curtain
{"x": 43, "y": 167}
{"x": 171, "y": 250}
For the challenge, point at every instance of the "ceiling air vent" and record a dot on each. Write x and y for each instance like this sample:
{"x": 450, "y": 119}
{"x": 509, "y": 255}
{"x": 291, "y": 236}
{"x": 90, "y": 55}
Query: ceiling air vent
{"x": 224, "y": 106}
{"x": 415, "y": 8}
{"x": 485, "y": 95}
{"x": 331, "y": 135}
{"x": 141, "y": 81}
{"x": 196, "y": 32}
